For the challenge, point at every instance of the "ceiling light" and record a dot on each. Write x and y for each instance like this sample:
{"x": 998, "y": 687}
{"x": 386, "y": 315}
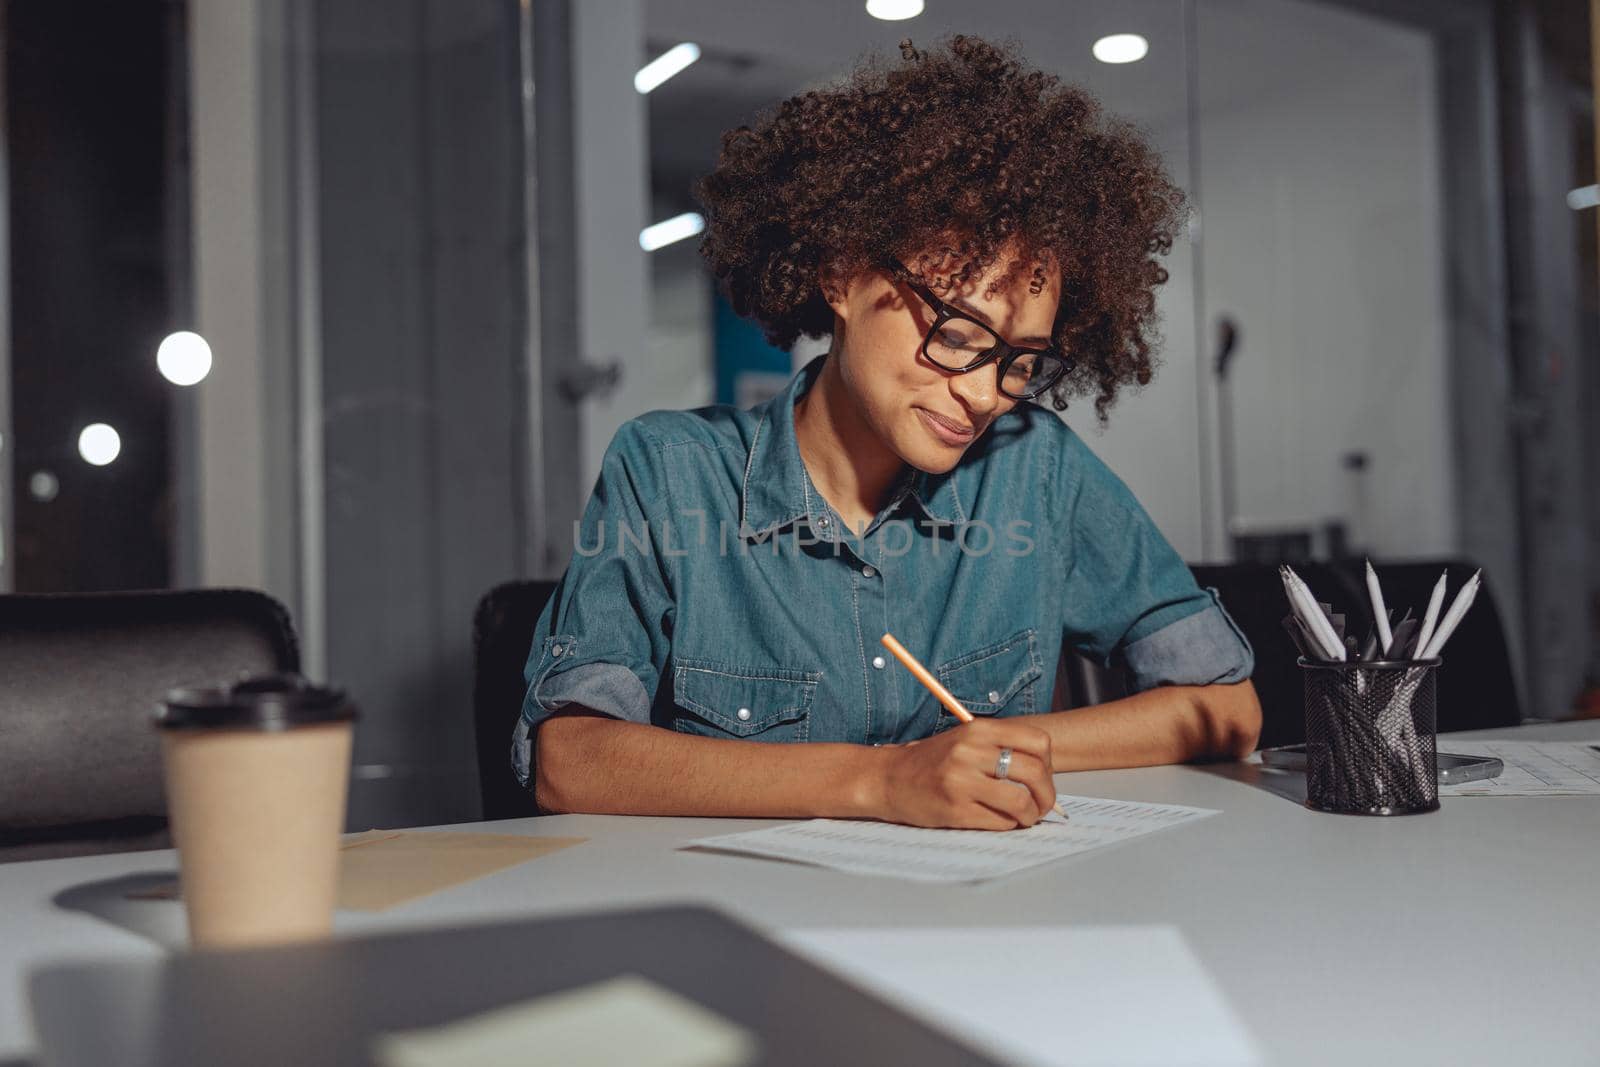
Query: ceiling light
{"x": 99, "y": 444}
{"x": 1584, "y": 196}
{"x": 669, "y": 230}
{"x": 1121, "y": 48}
{"x": 894, "y": 10}
{"x": 184, "y": 358}
{"x": 665, "y": 66}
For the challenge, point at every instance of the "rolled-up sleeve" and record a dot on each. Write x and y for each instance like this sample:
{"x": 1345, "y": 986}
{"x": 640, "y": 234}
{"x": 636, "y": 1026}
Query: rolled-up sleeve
{"x": 1202, "y": 648}
{"x": 601, "y": 641}
{"x": 1127, "y": 592}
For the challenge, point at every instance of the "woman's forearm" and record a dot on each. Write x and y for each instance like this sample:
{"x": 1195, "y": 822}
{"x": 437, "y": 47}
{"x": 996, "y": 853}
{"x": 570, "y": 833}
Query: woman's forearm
{"x": 600, "y": 765}
{"x": 594, "y": 764}
{"x": 1168, "y": 724}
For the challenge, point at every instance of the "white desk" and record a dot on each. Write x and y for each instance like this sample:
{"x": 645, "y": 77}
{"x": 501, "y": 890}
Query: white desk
{"x": 1471, "y": 935}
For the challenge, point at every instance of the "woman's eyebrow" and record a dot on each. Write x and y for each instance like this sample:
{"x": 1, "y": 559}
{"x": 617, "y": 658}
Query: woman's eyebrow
{"x": 1026, "y": 342}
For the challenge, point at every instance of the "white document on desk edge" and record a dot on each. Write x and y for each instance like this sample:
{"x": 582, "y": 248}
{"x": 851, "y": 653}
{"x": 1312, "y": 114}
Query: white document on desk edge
{"x": 953, "y": 856}
{"x": 1533, "y": 768}
{"x": 628, "y": 1019}
{"x": 1046, "y": 996}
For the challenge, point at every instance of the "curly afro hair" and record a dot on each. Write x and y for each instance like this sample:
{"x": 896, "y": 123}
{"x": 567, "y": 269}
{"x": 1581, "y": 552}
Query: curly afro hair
{"x": 949, "y": 159}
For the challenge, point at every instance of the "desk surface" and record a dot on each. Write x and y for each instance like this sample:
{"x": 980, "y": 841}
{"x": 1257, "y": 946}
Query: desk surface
{"x": 1470, "y": 935}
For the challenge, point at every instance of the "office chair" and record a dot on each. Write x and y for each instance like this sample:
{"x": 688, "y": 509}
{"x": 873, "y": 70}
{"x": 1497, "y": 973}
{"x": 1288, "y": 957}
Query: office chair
{"x": 1477, "y": 689}
{"x": 502, "y": 636}
{"x": 80, "y": 675}
{"x": 1475, "y": 686}
{"x": 1082, "y": 683}
{"x": 1253, "y": 595}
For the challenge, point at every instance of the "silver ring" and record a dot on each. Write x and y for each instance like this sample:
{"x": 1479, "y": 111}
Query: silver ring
{"x": 1003, "y": 766}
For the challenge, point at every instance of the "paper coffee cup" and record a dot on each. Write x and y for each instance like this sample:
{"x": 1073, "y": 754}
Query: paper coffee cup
{"x": 256, "y": 777}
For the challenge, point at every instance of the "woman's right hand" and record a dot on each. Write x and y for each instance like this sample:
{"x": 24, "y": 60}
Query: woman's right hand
{"x": 948, "y": 780}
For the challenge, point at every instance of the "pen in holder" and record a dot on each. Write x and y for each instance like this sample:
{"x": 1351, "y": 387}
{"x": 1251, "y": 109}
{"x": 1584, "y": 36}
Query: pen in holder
{"x": 1370, "y": 736}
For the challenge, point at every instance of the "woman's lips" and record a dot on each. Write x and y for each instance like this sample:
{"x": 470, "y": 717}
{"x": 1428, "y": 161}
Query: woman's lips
{"x": 947, "y": 431}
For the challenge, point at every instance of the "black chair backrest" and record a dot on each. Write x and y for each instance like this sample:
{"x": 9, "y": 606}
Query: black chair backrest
{"x": 1083, "y": 683}
{"x": 80, "y": 674}
{"x": 1253, "y": 595}
{"x": 1476, "y": 686}
{"x": 502, "y": 637}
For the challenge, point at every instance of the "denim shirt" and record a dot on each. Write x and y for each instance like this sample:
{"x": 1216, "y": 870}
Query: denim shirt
{"x": 713, "y": 591}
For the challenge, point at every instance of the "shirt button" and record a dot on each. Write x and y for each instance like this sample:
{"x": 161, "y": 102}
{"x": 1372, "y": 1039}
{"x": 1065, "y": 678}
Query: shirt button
{"x": 743, "y": 713}
{"x": 994, "y": 697}
{"x": 868, "y": 572}
{"x": 822, "y": 523}
{"x": 556, "y": 650}
{"x": 878, "y": 662}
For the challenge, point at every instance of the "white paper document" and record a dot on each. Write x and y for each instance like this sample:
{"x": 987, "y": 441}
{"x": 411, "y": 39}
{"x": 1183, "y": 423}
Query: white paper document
{"x": 1047, "y": 995}
{"x": 1533, "y": 768}
{"x": 954, "y": 855}
{"x": 628, "y": 1019}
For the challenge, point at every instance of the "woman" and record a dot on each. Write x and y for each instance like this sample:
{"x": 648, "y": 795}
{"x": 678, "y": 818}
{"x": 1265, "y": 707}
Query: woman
{"x": 973, "y": 237}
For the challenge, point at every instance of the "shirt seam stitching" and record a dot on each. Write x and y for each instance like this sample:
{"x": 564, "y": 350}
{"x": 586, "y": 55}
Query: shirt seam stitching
{"x": 749, "y": 465}
{"x": 861, "y": 649}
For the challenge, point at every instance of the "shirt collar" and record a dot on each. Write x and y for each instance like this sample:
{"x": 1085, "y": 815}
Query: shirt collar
{"x": 936, "y": 494}
{"x": 777, "y": 491}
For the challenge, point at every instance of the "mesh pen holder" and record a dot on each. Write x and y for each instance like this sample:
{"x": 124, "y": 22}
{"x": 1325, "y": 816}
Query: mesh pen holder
{"x": 1370, "y": 737}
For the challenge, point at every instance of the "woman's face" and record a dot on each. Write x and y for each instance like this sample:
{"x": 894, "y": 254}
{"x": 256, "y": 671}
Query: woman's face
{"x": 926, "y": 415}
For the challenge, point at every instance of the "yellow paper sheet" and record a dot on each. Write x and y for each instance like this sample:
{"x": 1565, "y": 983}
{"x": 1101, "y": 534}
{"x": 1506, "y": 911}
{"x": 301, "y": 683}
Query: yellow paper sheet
{"x": 383, "y": 868}
{"x": 624, "y": 1020}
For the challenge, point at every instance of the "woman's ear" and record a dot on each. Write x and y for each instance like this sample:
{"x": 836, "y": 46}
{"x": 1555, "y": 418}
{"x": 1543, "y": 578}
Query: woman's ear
{"x": 835, "y": 291}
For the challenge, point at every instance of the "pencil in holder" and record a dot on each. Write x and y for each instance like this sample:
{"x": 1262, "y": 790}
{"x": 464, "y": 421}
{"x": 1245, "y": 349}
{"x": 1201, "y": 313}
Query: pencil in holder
{"x": 1370, "y": 737}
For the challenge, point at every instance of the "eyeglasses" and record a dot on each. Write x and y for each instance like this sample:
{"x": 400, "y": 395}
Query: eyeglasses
{"x": 959, "y": 343}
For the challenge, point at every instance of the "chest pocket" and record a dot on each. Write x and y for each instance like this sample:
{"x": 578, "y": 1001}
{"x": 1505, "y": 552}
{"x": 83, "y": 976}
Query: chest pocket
{"x": 762, "y": 704}
{"x": 1000, "y": 680}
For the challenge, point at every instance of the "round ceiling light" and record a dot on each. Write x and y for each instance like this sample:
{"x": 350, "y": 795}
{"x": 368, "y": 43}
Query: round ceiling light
{"x": 894, "y": 10}
{"x": 1121, "y": 48}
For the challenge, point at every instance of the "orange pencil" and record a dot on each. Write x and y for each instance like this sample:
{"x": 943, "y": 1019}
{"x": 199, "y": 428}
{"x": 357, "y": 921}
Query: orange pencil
{"x": 923, "y": 675}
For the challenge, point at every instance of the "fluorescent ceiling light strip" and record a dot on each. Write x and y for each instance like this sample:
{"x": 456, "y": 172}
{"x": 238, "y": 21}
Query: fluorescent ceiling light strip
{"x": 669, "y": 230}
{"x": 1584, "y": 196}
{"x": 665, "y": 66}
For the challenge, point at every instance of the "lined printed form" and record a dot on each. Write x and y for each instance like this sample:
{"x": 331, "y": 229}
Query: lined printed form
{"x": 952, "y": 856}
{"x": 1533, "y": 768}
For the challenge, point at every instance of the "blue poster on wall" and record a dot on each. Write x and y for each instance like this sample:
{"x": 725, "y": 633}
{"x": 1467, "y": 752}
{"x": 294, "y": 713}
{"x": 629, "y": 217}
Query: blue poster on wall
{"x": 749, "y": 370}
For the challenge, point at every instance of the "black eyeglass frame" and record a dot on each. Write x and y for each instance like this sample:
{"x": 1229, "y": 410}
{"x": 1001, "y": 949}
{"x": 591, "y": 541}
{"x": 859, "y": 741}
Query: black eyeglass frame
{"x": 1002, "y": 352}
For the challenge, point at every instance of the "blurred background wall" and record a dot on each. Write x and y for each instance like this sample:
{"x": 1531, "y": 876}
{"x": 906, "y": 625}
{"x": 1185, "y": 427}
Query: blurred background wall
{"x": 416, "y": 236}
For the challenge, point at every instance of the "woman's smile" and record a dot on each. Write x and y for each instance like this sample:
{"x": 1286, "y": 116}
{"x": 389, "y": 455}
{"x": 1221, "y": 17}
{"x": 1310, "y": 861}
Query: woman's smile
{"x": 952, "y": 432}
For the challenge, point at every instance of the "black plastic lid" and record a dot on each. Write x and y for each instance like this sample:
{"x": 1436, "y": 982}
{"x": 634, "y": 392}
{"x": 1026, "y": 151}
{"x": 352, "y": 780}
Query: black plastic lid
{"x": 261, "y": 702}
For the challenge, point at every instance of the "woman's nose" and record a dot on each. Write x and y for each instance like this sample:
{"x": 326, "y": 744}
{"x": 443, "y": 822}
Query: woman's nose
{"x": 978, "y": 390}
